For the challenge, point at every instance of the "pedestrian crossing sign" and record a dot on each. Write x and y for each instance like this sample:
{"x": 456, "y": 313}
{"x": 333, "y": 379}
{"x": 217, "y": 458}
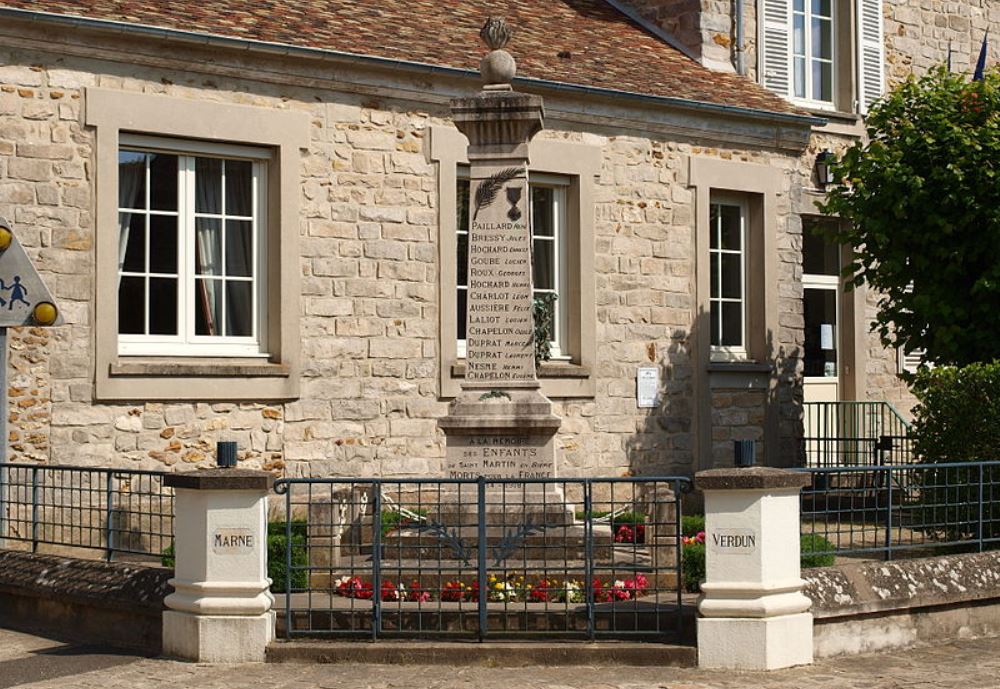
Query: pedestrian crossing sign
{"x": 24, "y": 298}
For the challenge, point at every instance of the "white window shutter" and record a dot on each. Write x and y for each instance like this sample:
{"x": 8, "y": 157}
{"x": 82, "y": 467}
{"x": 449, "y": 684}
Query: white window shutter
{"x": 909, "y": 363}
{"x": 777, "y": 37}
{"x": 871, "y": 53}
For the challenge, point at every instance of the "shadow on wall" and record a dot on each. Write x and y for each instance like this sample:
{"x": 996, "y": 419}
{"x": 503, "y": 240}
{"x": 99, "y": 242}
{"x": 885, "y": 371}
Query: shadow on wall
{"x": 668, "y": 440}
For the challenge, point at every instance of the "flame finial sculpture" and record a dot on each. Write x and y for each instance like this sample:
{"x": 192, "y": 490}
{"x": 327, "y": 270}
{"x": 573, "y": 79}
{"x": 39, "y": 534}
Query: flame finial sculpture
{"x": 497, "y": 67}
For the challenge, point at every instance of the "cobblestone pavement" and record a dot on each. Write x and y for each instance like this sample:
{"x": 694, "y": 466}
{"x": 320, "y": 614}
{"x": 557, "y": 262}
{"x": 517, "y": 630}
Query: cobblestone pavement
{"x": 972, "y": 664}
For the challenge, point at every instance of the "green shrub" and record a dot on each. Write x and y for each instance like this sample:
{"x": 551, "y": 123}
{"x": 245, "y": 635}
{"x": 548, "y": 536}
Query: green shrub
{"x": 811, "y": 543}
{"x": 393, "y": 519}
{"x": 693, "y": 566}
{"x": 815, "y": 553}
{"x": 277, "y": 538}
{"x": 957, "y": 420}
{"x": 691, "y": 524}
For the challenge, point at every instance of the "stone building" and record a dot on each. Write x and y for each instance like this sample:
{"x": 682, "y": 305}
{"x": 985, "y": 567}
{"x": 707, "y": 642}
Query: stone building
{"x": 250, "y": 217}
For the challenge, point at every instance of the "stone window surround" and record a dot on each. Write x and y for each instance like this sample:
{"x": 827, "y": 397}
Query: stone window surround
{"x": 760, "y": 185}
{"x": 581, "y": 163}
{"x": 117, "y": 377}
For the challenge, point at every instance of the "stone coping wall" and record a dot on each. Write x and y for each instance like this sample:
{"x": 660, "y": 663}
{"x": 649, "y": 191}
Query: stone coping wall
{"x": 119, "y": 604}
{"x": 870, "y": 606}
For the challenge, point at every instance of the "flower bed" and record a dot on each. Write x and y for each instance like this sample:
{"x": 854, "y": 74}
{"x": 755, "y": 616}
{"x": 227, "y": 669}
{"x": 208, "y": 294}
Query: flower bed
{"x": 513, "y": 589}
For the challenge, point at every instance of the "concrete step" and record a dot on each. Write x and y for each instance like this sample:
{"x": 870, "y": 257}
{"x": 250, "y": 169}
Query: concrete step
{"x": 489, "y": 654}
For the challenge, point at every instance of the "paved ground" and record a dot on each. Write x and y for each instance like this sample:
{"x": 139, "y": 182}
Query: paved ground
{"x": 966, "y": 665}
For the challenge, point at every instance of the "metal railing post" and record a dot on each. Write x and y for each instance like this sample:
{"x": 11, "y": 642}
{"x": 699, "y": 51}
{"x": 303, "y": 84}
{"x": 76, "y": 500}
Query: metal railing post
{"x": 888, "y": 514}
{"x": 34, "y": 509}
{"x": 376, "y": 559}
{"x": 588, "y": 554}
{"x": 678, "y": 564}
{"x": 3, "y": 499}
{"x": 481, "y": 555}
{"x": 288, "y": 561}
{"x": 108, "y": 526}
{"x": 979, "y": 527}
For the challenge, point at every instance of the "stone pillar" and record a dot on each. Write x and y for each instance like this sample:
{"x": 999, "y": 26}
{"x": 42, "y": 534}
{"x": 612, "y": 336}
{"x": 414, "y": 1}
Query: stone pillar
{"x": 753, "y": 614}
{"x": 220, "y": 611}
{"x": 500, "y": 412}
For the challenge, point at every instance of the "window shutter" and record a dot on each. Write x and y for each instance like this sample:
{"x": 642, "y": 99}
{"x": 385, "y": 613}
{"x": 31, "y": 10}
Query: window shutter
{"x": 777, "y": 35}
{"x": 871, "y": 53}
{"x": 909, "y": 363}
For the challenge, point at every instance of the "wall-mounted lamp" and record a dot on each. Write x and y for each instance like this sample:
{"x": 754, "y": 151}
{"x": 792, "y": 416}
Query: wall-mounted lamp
{"x": 824, "y": 173}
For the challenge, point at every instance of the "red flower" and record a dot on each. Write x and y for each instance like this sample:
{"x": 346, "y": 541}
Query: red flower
{"x": 452, "y": 591}
{"x": 540, "y": 594}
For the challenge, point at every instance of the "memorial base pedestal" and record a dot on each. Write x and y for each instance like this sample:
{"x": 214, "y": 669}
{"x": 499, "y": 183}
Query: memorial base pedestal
{"x": 217, "y": 638}
{"x": 770, "y": 643}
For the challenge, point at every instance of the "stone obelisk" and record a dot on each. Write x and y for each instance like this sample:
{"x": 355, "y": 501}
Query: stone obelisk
{"x": 500, "y": 425}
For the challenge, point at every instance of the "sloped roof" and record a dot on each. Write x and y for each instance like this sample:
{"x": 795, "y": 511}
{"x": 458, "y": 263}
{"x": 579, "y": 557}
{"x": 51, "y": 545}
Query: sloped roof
{"x": 581, "y": 42}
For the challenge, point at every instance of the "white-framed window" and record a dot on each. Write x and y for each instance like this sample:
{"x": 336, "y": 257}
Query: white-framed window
{"x": 728, "y": 277}
{"x": 813, "y": 65}
{"x": 821, "y": 302}
{"x": 548, "y": 252}
{"x": 191, "y": 244}
{"x": 811, "y": 50}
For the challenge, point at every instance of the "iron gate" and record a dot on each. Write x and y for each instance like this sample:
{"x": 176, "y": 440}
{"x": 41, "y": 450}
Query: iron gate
{"x": 377, "y": 558}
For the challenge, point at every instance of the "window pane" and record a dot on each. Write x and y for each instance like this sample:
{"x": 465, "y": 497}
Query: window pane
{"x": 163, "y": 244}
{"x": 162, "y": 182}
{"x": 714, "y": 317}
{"x": 239, "y": 187}
{"x": 732, "y": 225}
{"x": 542, "y": 200}
{"x": 131, "y": 179}
{"x": 821, "y": 7}
{"x": 239, "y": 308}
{"x": 799, "y": 78}
{"x": 462, "y": 205}
{"x": 819, "y": 257}
{"x": 799, "y": 5}
{"x": 462, "y": 308}
{"x": 208, "y": 307}
{"x": 820, "y": 306}
{"x": 239, "y": 248}
{"x": 732, "y": 324}
{"x": 208, "y": 246}
{"x": 713, "y": 225}
{"x": 822, "y": 40}
{"x": 798, "y": 34}
{"x": 162, "y": 306}
{"x": 207, "y": 185}
{"x": 714, "y": 274}
{"x": 823, "y": 81}
{"x": 732, "y": 277}
{"x": 132, "y": 242}
{"x": 544, "y": 264}
{"x": 132, "y": 306}
{"x": 463, "y": 259}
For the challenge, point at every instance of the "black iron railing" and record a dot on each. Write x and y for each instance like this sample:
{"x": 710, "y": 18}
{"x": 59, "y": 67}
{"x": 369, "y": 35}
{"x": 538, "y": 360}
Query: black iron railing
{"x": 907, "y": 510}
{"x": 586, "y": 558}
{"x": 66, "y": 509}
{"x": 854, "y": 434}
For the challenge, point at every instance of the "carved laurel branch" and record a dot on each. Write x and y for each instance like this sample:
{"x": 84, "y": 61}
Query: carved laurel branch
{"x": 490, "y": 187}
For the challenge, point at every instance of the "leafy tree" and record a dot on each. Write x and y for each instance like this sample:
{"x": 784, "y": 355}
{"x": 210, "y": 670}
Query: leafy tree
{"x": 922, "y": 201}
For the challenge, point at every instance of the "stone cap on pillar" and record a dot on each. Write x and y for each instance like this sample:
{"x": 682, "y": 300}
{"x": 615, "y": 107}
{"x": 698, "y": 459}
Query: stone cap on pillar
{"x": 221, "y": 479}
{"x": 750, "y": 478}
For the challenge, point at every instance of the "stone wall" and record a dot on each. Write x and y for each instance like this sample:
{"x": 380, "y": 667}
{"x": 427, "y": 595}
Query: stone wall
{"x": 369, "y": 332}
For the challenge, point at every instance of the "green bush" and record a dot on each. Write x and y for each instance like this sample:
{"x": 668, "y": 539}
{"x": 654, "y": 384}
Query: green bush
{"x": 393, "y": 519}
{"x": 693, "y": 566}
{"x": 693, "y": 558}
{"x": 811, "y": 543}
{"x": 277, "y": 538}
{"x": 957, "y": 420}
{"x": 691, "y": 524}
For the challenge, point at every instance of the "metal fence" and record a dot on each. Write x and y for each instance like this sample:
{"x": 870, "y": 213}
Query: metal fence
{"x": 76, "y": 510}
{"x": 908, "y": 510}
{"x": 854, "y": 434}
{"x": 586, "y": 558}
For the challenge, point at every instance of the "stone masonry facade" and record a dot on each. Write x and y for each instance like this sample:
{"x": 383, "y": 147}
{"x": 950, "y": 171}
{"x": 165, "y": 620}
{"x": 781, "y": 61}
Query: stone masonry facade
{"x": 369, "y": 323}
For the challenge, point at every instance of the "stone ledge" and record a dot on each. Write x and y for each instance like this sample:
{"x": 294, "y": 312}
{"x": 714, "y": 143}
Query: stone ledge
{"x": 103, "y": 584}
{"x": 221, "y": 479}
{"x": 878, "y": 587}
{"x": 750, "y": 478}
{"x": 218, "y": 368}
